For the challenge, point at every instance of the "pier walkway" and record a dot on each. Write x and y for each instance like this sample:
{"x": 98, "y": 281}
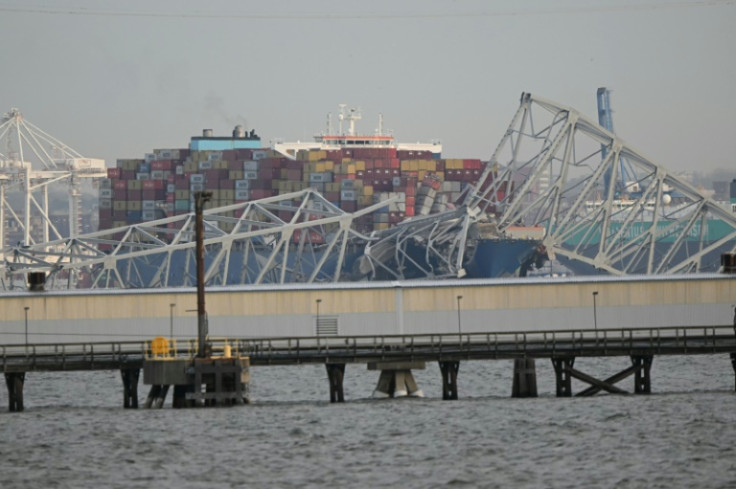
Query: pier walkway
{"x": 393, "y": 355}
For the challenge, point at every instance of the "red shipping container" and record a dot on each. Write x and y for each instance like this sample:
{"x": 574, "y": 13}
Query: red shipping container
{"x": 105, "y": 214}
{"x": 113, "y": 172}
{"x": 349, "y": 205}
{"x": 152, "y": 184}
{"x": 258, "y": 193}
{"x": 120, "y": 193}
{"x": 127, "y": 174}
{"x": 227, "y": 184}
{"x": 409, "y": 210}
{"x": 148, "y": 195}
{"x": 120, "y": 185}
{"x": 161, "y": 165}
{"x": 135, "y": 195}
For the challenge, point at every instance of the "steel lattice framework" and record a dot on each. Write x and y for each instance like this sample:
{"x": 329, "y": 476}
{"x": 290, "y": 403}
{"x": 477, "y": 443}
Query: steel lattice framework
{"x": 293, "y": 238}
{"x": 604, "y": 204}
{"x": 31, "y": 161}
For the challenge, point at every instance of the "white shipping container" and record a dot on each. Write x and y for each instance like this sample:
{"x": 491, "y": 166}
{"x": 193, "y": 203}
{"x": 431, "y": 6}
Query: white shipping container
{"x": 250, "y": 175}
{"x": 148, "y": 215}
{"x": 148, "y": 205}
{"x": 205, "y": 165}
{"x": 242, "y": 194}
{"x": 347, "y": 195}
{"x": 170, "y": 188}
{"x": 250, "y": 165}
{"x": 105, "y": 203}
{"x": 180, "y": 170}
{"x": 157, "y": 175}
{"x": 196, "y": 187}
{"x": 259, "y": 155}
{"x": 196, "y": 178}
{"x": 105, "y": 183}
{"x": 106, "y": 193}
{"x": 242, "y": 184}
{"x": 142, "y": 176}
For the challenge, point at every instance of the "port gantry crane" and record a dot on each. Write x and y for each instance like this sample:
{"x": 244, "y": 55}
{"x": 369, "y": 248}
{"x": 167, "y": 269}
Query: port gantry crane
{"x": 32, "y": 162}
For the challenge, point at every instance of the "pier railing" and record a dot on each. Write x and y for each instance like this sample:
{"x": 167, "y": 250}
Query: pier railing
{"x": 377, "y": 348}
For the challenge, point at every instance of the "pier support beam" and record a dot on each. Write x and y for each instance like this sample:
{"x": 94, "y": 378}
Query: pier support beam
{"x": 396, "y": 379}
{"x": 525, "y": 378}
{"x": 335, "y": 374}
{"x": 156, "y": 396}
{"x": 563, "y": 376}
{"x": 14, "y": 382}
{"x": 180, "y": 397}
{"x": 130, "y": 378}
{"x": 733, "y": 363}
{"x": 642, "y": 379}
{"x": 449, "y": 379}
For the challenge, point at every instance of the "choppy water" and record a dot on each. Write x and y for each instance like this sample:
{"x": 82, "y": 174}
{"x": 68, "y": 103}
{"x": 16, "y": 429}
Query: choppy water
{"x": 75, "y": 434}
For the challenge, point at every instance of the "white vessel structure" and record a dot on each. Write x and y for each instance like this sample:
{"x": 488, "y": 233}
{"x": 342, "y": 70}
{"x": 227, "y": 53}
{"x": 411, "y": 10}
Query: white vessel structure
{"x": 347, "y": 137}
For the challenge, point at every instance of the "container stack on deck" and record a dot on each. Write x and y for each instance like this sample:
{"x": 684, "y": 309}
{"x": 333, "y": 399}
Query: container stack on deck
{"x": 164, "y": 182}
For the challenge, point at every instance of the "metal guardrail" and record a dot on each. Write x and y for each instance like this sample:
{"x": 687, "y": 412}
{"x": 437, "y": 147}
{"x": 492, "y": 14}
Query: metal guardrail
{"x": 371, "y": 348}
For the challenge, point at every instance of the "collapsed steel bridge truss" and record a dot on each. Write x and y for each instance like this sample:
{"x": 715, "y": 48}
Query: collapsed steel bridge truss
{"x": 603, "y": 203}
{"x": 296, "y": 237}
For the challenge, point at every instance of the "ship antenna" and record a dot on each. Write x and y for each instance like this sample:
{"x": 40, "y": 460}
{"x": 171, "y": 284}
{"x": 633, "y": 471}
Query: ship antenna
{"x": 380, "y": 124}
{"x": 341, "y": 116}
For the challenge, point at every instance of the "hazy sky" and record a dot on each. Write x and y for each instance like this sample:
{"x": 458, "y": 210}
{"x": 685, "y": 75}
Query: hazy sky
{"x": 118, "y": 79}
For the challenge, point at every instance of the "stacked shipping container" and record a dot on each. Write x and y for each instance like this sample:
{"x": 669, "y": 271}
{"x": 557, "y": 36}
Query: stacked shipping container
{"x": 164, "y": 182}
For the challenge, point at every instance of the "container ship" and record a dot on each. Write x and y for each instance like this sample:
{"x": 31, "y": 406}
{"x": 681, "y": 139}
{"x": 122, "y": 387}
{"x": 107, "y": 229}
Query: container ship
{"x": 351, "y": 170}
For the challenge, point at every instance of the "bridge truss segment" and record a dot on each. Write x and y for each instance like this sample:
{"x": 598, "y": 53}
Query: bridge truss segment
{"x": 298, "y": 237}
{"x": 555, "y": 167}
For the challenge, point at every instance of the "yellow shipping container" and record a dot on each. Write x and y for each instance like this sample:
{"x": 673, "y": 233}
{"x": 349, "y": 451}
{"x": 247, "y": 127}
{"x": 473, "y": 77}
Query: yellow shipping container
{"x": 135, "y": 184}
{"x": 133, "y": 205}
{"x": 380, "y": 226}
{"x": 368, "y": 190}
{"x": 422, "y": 174}
{"x": 235, "y": 174}
{"x": 329, "y": 165}
{"x": 191, "y": 167}
{"x": 347, "y": 160}
{"x": 181, "y": 194}
{"x": 351, "y": 169}
{"x": 440, "y": 175}
{"x": 365, "y": 200}
{"x": 220, "y": 165}
{"x": 319, "y": 167}
{"x": 360, "y": 165}
{"x": 120, "y": 205}
{"x": 119, "y": 224}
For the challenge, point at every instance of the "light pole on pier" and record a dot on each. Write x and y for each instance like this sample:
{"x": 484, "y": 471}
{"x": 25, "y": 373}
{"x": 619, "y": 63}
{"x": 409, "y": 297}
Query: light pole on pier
{"x": 459, "y": 323}
{"x": 317, "y": 323}
{"x": 595, "y": 312}
{"x": 25, "y": 310}
{"x": 171, "y": 320}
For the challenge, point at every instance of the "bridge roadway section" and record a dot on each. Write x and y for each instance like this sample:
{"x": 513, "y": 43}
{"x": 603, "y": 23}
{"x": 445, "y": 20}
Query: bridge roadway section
{"x": 410, "y": 321}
